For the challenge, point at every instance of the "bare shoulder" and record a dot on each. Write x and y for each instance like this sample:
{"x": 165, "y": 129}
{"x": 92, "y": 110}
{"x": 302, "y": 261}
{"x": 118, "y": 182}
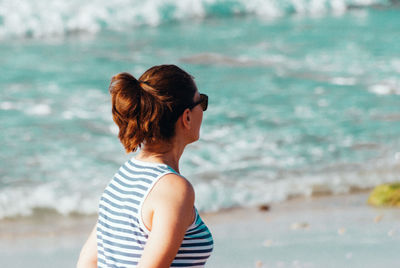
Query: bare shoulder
{"x": 170, "y": 200}
{"x": 173, "y": 184}
{"x": 174, "y": 188}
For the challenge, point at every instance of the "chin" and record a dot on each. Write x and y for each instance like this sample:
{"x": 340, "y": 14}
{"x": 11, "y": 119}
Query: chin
{"x": 195, "y": 138}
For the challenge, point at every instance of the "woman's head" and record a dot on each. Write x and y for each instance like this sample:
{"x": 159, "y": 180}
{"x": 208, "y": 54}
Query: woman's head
{"x": 147, "y": 109}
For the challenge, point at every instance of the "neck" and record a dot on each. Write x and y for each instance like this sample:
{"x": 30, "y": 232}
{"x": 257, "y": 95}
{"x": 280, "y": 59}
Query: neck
{"x": 165, "y": 154}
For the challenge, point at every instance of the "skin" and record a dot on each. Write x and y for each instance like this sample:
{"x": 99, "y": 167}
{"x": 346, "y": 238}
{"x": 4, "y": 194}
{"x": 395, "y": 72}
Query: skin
{"x": 169, "y": 208}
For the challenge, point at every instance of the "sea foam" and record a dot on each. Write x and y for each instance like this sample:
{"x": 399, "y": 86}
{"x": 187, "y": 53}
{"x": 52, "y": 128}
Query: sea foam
{"x": 46, "y": 18}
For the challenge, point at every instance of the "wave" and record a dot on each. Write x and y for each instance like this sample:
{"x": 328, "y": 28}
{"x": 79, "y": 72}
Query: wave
{"x": 47, "y": 18}
{"x": 214, "y": 192}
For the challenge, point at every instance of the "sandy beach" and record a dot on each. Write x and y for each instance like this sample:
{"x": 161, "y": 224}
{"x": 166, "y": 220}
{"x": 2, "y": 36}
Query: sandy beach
{"x": 327, "y": 231}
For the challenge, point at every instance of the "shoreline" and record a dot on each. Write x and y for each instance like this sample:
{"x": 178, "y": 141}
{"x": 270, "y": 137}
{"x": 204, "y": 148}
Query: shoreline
{"x": 49, "y": 224}
{"x": 287, "y": 234}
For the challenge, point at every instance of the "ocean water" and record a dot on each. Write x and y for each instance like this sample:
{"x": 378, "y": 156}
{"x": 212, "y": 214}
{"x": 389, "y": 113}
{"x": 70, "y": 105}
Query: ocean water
{"x": 304, "y": 96}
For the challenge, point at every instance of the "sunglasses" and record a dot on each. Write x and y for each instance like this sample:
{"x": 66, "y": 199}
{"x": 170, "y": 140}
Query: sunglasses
{"x": 203, "y": 102}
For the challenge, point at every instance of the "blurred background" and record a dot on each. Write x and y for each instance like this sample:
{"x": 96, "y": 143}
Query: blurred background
{"x": 304, "y": 97}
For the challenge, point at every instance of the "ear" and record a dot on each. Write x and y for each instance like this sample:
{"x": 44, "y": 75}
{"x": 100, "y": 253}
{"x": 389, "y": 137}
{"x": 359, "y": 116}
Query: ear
{"x": 187, "y": 119}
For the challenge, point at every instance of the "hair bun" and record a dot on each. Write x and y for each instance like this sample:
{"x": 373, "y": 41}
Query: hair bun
{"x": 123, "y": 82}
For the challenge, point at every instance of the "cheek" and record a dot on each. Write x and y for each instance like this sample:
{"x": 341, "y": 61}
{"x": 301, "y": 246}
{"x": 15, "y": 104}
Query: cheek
{"x": 198, "y": 125}
{"x": 200, "y": 119}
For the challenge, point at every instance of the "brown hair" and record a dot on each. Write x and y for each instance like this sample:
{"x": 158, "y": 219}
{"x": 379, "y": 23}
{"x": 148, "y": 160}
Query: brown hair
{"x": 147, "y": 109}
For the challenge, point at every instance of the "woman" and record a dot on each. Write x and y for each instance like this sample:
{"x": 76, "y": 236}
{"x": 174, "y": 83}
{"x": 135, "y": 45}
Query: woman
{"x": 147, "y": 216}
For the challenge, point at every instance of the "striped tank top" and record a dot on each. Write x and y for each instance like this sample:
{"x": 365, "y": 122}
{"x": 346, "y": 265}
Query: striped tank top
{"x": 121, "y": 233}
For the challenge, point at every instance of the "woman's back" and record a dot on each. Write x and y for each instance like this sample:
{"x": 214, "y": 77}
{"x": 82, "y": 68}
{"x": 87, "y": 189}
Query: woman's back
{"x": 159, "y": 113}
{"x": 121, "y": 233}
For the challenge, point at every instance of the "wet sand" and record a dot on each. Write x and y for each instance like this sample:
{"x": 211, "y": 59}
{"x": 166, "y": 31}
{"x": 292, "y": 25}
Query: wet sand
{"x": 327, "y": 231}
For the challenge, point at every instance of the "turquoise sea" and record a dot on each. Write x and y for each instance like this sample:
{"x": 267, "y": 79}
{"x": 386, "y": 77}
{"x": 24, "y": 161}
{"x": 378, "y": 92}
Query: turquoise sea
{"x": 304, "y": 96}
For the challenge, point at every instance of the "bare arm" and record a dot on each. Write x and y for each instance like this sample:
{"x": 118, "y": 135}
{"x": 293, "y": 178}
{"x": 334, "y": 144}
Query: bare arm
{"x": 88, "y": 256}
{"x": 172, "y": 201}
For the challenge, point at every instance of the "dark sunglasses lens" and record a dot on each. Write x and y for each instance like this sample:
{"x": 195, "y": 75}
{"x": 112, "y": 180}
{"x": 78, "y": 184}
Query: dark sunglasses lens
{"x": 204, "y": 101}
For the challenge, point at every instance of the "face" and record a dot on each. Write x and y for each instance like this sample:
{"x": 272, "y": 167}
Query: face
{"x": 197, "y": 117}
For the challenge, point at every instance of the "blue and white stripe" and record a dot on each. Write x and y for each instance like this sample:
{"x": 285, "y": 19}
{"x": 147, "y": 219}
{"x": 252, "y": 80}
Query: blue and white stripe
{"x": 121, "y": 234}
